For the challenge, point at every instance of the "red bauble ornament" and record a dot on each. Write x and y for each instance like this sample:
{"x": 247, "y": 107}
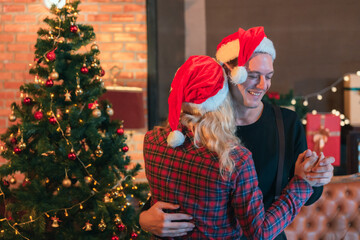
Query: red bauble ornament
{"x": 17, "y": 150}
{"x": 51, "y": 56}
{"x": 120, "y": 131}
{"x": 27, "y": 101}
{"x": 102, "y": 72}
{"x": 13, "y": 141}
{"x": 125, "y": 149}
{"x": 6, "y": 183}
{"x": 72, "y": 156}
{"x": 121, "y": 227}
{"x": 84, "y": 70}
{"x": 134, "y": 235}
{"x": 49, "y": 83}
{"x": 52, "y": 120}
{"x": 73, "y": 28}
{"x": 38, "y": 115}
{"x": 115, "y": 238}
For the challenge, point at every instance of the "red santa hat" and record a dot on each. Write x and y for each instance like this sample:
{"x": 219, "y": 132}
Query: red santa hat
{"x": 242, "y": 44}
{"x": 201, "y": 82}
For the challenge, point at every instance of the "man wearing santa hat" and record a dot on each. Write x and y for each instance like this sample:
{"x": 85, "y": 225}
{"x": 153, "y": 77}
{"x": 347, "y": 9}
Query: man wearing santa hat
{"x": 199, "y": 163}
{"x": 247, "y": 56}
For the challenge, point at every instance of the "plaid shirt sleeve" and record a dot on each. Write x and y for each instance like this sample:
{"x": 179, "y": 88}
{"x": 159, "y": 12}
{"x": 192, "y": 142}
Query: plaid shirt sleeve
{"x": 248, "y": 205}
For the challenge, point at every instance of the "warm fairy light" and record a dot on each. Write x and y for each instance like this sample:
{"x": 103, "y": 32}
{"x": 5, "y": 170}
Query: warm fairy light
{"x": 342, "y": 116}
{"x": 314, "y": 112}
{"x": 305, "y": 103}
{"x": 347, "y": 121}
{"x": 333, "y": 111}
{"x": 319, "y": 97}
{"x": 337, "y": 113}
{"x": 293, "y": 101}
{"x": 358, "y": 73}
{"x": 333, "y": 89}
{"x": 81, "y": 206}
{"x": 346, "y": 78}
{"x": 66, "y": 213}
{"x": 342, "y": 123}
{"x": 31, "y": 218}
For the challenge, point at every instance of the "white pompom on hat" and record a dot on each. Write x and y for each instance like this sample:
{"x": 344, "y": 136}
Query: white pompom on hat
{"x": 201, "y": 82}
{"x": 242, "y": 45}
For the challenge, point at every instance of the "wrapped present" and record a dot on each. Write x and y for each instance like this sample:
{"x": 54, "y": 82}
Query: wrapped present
{"x": 323, "y": 134}
{"x": 352, "y": 99}
{"x": 127, "y": 104}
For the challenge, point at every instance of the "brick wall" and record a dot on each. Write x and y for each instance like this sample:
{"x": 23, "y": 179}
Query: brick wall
{"x": 120, "y": 28}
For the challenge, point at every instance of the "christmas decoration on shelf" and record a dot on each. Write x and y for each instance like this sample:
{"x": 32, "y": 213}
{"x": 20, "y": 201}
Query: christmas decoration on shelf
{"x": 300, "y": 104}
{"x": 60, "y": 124}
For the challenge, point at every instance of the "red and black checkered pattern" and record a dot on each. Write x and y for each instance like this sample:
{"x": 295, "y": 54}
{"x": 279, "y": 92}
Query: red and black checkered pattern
{"x": 221, "y": 209}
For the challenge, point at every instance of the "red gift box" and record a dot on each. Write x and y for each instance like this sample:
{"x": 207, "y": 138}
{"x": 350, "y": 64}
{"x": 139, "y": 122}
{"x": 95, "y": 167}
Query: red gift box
{"x": 128, "y": 105}
{"x": 323, "y": 135}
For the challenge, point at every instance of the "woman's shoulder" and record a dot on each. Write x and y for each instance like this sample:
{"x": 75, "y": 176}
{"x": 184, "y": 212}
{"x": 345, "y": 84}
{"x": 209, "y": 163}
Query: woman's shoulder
{"x": 157, "y": 134}
{"x": 240, "y": 154}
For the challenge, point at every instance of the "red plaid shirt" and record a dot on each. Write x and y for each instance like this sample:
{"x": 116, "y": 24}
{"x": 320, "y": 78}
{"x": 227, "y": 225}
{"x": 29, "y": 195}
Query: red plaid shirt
{"x": 221, "y": 209}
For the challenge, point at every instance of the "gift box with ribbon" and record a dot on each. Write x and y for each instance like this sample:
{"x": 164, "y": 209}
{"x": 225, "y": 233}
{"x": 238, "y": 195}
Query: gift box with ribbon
{"x": 323, "y": 134}
{"x": 352, "y": 99}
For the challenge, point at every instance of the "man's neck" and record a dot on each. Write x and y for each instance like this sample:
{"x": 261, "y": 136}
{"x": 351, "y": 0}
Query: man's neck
{"x": 246, "y": 116}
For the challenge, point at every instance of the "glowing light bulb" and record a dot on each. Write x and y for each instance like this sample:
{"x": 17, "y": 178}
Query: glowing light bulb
{"x": 342, "y": 123}
{"x": 319, "y": 97}
{"x": 305, "y": 103}
{"x": 304, "y": 122}
{"x": 333, "y": 111}
{"x": 342, "y": 116}
{"x": 358, "y": 73}
{"x": 346, "y": 78}
{"x": 314, "y": 112}
{"x": 347, "y": 121}
{"x": 333, "y": 89}
{"x": 293, "y": 101}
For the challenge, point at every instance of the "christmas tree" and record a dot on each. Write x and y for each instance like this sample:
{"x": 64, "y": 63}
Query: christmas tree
{"x": 78, "y": 183}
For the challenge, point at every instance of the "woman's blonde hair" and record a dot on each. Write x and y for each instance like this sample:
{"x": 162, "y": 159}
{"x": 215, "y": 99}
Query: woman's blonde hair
{"x": 214, "y": 130}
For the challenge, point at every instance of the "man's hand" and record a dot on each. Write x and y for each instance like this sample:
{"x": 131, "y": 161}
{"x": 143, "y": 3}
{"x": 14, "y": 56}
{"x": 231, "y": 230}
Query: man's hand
{"x": 155, "y": 221}
{"x": 304, "y": 164}
{"x": 322, "y": 172}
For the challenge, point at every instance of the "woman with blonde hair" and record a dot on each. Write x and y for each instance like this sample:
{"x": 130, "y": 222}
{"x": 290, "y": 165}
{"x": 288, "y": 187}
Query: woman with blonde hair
{"x": 198, "y": 163}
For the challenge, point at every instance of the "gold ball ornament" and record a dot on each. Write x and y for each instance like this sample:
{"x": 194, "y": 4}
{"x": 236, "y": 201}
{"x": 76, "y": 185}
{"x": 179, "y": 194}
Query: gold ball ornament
{"x": 98, "y": 152}
{"x": 12, "y": 117}
{"x": 54, "y": 75}
{"x": 96, "y": 113}
{"x": 66, "y": 182}
{"x": 87, "y": 179}
{"x": 94, "y": 47}
{"x": 78, "y": 91}
{"x": 109, "y": 111}
{"x": 102, "y": 225}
